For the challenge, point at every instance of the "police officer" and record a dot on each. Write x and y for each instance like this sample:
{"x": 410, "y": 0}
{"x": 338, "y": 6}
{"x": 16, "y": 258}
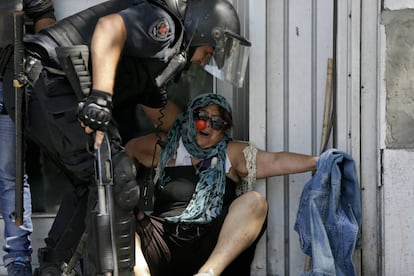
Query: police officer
{"x": 17, "y": 257}
{"x": 207, "y": 26}
{"x": 136, "y": 48}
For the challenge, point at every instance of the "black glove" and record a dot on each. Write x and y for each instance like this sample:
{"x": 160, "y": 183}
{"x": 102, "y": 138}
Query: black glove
{"x": 96, "y": 110}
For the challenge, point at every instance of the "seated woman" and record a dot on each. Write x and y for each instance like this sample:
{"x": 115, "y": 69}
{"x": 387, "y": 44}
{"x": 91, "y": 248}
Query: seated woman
{"x": 207, "y": 219}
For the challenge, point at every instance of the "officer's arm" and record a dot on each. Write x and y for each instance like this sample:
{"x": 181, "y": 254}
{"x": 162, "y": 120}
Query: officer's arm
{"x": 106, "y": 46}
{"x": 41, "y": 12}
{"x": 107, "y": 43}
{"x": 43, "y": 23}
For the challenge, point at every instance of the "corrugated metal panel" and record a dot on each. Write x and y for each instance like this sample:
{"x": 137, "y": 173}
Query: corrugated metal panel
{"x": 257, "y": 100}
{"x": 370, "y": 136}
{"x": 347, "y": 131}
{"x": 292, "y": 41}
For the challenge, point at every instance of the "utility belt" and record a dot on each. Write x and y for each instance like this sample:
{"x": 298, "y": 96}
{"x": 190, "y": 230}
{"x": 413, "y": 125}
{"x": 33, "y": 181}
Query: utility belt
{"x": 33, "y": 69}
{"x": 187, "y": 231}
{"x": 74, "y": 63}
{"x": 33, "y": 66}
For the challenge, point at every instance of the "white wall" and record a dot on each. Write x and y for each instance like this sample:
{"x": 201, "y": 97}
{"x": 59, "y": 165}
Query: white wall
{"x": 398, "y": 4}
{"x": 64, "y": 8}
{"x": 398, "y": 203}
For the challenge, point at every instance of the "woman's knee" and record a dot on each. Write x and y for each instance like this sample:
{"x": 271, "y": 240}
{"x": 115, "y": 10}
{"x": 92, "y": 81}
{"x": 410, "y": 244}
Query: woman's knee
{"x": 252, "y": 201}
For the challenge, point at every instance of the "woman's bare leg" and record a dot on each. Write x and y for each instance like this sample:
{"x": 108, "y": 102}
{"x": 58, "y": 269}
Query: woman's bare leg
{"x": 240, "y": 229}
{"x": 141, "y": 267}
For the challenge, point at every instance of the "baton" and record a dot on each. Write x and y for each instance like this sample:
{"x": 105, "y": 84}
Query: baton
{"x": 18, "y": 84}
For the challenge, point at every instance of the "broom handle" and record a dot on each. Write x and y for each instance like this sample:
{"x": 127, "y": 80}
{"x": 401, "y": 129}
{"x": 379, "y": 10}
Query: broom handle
{"x": 326, "y": 127}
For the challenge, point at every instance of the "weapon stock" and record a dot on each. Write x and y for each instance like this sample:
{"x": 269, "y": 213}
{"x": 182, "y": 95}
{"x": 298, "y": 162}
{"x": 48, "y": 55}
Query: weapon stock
{"x": 18, "y": 84}
{"x": 103, "y": 221}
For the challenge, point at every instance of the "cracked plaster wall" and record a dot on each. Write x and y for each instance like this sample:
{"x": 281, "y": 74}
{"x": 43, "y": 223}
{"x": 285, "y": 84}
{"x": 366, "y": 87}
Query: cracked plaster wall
{"x": 399, "y": 77}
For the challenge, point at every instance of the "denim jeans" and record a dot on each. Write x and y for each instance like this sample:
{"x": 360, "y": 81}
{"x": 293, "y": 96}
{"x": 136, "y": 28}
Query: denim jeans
{"x": 17, "y": 242}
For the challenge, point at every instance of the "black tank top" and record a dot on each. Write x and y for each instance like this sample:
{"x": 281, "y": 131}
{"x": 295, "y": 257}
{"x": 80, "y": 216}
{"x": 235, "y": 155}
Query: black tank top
{"x": 179, "y": 188}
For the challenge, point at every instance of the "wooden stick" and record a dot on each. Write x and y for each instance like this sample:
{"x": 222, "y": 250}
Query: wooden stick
{"x": 327, "y": 118}
{"x": 326, "y": 127}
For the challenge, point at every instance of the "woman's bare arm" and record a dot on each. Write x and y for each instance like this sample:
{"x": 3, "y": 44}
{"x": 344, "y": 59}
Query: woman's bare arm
{"x": 270, "y": 163}
{"x": 141, "y": 150}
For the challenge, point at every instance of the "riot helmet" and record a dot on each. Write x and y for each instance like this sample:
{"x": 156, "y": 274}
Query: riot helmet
{"x": 178, "y": 7}
{"x": 216, "y": 23}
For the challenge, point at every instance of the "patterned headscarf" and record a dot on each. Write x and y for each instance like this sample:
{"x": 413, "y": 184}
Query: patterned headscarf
{"x": 206, "y": 203}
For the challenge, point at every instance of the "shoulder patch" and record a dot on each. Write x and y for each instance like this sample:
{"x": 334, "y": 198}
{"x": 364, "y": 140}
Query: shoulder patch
{"x": 160, "y": 30}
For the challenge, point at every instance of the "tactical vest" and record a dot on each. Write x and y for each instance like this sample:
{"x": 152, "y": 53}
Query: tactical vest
{"x": 135, "y": 76}
{"x": 76, "y": 29}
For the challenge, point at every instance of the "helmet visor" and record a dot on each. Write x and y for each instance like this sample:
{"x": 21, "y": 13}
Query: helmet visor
{"x": 229, "y": 62}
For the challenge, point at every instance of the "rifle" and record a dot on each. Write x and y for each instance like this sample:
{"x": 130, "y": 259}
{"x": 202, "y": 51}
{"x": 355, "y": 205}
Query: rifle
{"x": 103, "y": 220}
{"x": 19, "y": 82}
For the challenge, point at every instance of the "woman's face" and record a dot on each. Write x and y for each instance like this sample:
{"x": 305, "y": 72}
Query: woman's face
{"x": 209, "y": 136}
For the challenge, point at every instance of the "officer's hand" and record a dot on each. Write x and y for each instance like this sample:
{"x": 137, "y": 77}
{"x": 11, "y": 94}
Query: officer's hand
{"x": 95, "y": 114}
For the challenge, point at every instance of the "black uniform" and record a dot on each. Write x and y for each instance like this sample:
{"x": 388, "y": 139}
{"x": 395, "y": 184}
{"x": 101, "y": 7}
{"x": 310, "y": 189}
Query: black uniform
{"x": 52, "y": 122}
{"x": 53, "y": 103}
